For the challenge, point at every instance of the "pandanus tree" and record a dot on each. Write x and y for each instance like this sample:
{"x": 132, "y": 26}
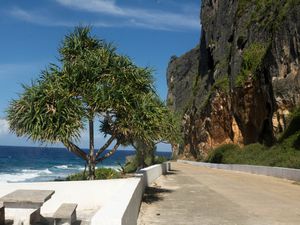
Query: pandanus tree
{"x": 93, "y": 83}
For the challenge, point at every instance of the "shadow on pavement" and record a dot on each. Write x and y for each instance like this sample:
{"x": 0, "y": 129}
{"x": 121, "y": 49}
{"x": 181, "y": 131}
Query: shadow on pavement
{"x": 154, "y": 194}
{"x": 170, "y": 173}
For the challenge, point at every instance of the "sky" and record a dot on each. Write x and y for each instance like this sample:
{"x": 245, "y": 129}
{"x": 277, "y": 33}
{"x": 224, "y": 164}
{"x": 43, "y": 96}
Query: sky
{"x": 148, "y": 31}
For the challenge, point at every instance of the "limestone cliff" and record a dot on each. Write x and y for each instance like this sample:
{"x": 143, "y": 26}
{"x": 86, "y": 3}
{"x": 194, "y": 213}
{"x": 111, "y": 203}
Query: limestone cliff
{"x": 242, "y": 80}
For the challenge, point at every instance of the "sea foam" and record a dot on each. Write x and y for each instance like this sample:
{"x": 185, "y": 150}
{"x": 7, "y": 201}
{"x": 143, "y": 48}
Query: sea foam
{"x": 23, "y": 175}
{"x": 62, "y": 167}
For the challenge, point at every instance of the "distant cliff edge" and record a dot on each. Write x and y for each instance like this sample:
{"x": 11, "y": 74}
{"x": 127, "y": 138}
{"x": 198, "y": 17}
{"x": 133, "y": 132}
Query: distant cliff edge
{"x": 242, "y": 80}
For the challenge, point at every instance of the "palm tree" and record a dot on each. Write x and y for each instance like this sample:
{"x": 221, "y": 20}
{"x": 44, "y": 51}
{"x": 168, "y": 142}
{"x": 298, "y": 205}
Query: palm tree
{"x": 93, "y": 83}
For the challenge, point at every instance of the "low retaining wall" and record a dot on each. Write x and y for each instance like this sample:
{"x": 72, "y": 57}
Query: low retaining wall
{"x": 280, "y": 172}
{"x": 124, "y": 206}
{"x": 151, "y": 173}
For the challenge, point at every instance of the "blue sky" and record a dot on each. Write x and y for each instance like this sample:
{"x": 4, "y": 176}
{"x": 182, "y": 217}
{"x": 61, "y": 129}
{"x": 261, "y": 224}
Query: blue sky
{"x": 148, "y": 31}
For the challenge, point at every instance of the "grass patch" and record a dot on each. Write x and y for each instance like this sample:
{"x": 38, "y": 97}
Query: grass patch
{"x": 101, "y": 174}
{"x": 252, "y": 61}
{"x": 220, "y": 154}
{"x": 222, "y": 84}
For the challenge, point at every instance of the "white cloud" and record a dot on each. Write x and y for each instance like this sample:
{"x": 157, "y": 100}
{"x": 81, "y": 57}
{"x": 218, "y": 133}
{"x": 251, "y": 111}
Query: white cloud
{"x": 115, "y": 16}
{"x": 103, "y": 6}
{"x": 141, "y": 17}
{"x": 35, "y": 18}
{"x": 4, "y": 127}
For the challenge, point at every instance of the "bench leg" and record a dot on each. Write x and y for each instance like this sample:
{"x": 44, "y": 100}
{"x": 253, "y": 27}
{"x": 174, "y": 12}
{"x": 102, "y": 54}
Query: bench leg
{"x": 36, "y": 217}
{"x": 28, "y": 217}
{"x": 69, "y": 221}
{"x": 73, "y": 217}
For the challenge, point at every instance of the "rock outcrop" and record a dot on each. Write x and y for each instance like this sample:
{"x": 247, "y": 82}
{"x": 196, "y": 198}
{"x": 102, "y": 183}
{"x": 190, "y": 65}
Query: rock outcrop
{"x": 242, "y": 80}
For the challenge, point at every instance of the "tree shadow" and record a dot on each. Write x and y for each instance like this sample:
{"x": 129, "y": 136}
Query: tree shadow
{"x": 154, "y": 194}
{"x": 170, "y": 173}
{"x": 296, "y": 183}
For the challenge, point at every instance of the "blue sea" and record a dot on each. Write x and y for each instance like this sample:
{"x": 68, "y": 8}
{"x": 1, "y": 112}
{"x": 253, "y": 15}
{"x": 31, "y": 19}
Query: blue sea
{"x": 35, "y": 164}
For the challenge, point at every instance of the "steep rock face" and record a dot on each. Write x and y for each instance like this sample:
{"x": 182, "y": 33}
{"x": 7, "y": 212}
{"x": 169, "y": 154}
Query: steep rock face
{"x": 242, "y": 81}
{"x": 182, "y": 74}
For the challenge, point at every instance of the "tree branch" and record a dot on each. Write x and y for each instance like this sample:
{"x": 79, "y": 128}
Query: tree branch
{"x": 75, "y": 149}
{"x": 109, "y": 153}
{"x": 133, "y": 143}
{"x": 105, "y": 146}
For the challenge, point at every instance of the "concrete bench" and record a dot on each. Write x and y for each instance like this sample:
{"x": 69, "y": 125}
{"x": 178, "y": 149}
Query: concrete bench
{"x": 65, "y": 214}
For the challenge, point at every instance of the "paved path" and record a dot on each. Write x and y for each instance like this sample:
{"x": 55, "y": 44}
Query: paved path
{"x": 203, "y": 196}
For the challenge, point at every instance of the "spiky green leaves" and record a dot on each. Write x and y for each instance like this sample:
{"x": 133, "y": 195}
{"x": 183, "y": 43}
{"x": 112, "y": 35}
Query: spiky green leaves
{"x": 47, "y": 111}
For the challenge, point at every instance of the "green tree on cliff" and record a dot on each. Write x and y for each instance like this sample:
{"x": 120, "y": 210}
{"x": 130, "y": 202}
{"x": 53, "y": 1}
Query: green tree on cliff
{"x": 93, "y": 83}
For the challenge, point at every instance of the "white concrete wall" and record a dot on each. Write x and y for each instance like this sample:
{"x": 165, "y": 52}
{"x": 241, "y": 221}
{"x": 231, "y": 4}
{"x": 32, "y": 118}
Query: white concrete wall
{"x": 124, "y": 206}
{"x": 151, "y": 173}
{"x": 131, "y": 213}
{"x": 280, "y": 172}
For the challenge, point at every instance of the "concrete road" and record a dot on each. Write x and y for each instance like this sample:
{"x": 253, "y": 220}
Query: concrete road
{"x": 203, "y": 196}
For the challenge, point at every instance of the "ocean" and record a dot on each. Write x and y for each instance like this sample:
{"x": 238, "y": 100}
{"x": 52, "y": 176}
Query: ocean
{"x": 35, "y": 164}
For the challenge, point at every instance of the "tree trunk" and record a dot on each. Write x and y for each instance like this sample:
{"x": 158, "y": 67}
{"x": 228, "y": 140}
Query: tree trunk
{"x": 91, "y": 168}
{"x": 141, "y": 158}
{"x": 91, "y": 158}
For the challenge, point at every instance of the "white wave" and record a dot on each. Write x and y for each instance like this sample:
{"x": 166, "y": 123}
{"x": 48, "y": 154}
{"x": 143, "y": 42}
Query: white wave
{"x": 69, "y": 167}
{"x": 62, "y": 167}
{"x": 110, "y": 167}
{"x": 31, "y": 174}
{"x": 79, "y": 167}
{"x": 39, "y": 172}
{"x": 46, "y": 171}
{"x": 18, "y": 177}
{"x": 23, "y": 175}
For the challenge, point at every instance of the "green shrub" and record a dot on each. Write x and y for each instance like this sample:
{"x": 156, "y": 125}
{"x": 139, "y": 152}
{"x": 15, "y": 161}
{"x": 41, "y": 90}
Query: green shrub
{"x": 252, "y": 56}
{"x": 281, "y": 155}
{"x": 106, "y": 173}
{"x": 101, "y": 174}
{"x": 218, "y": 154}
{"x": 76, "y": 176}
{"x": 160, "y": 159}
{"x": 132, "y": 165}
